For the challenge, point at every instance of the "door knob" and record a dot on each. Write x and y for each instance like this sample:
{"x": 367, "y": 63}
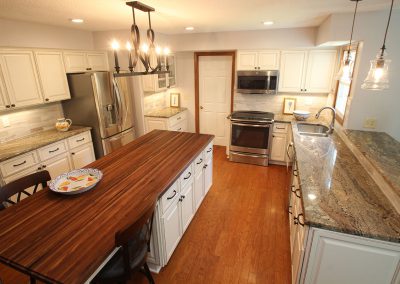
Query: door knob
{"x": 201, "y": 107}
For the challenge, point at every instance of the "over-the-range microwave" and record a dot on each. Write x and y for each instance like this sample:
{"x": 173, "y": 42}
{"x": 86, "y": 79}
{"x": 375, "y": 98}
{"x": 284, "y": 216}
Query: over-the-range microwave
{"x": 257, "y": 82}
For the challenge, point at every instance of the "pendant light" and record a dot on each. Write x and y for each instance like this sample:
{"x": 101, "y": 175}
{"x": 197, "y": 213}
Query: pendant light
{"x": 377, "y": 78}
{"x": 346, "y": 68}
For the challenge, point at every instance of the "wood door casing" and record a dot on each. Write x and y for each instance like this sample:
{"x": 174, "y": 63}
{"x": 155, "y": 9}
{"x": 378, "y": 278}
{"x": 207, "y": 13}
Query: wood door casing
{"x": 197, "y": 55}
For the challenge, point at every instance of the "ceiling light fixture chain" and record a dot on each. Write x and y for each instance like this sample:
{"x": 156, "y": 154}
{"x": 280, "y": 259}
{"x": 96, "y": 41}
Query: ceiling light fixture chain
{"x": 387, "y": 28}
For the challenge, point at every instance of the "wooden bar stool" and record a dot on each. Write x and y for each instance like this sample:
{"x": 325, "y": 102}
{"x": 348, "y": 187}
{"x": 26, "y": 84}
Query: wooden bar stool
{"x": 134, "y": 243}
{"x": 19, "y": 187}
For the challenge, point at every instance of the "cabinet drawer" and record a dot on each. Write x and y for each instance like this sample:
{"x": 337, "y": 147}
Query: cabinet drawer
{"x": 79, "y": 139}
{"x": 181, "y": 126}
{"x": 52, "y": 150}
{"x": 280, "y": 127}
{"x": 177, "y": 118}
{"x": 18, "y": 163}
{"x": 186, "y": 176}
{"x": 199, "y": 162}
{"x": 208, "y": 151}
{"x": 169, "y": 197}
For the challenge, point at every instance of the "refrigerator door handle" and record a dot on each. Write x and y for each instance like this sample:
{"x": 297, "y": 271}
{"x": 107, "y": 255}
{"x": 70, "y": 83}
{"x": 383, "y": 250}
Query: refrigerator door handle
{"x": 119, "y": 103}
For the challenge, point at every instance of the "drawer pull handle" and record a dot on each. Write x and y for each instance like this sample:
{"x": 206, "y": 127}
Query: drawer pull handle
{"x": 44, "y": 166}
{"x": 298, "y": 191}
{"x": 169, "y": 198}
{"x": 190, "y": 174}
{"x": 180, "y": 128}
{"x": 20, "y": 164}
{"x": 201, "y": 160}
{"x": 55, "y": 150}
{"x": 209, "y": 150}
{"x": 205, "y": 166}
{"x": 297, "y": 220}
{"x": 80, "y": 140}
{"x": 281, "y": 128}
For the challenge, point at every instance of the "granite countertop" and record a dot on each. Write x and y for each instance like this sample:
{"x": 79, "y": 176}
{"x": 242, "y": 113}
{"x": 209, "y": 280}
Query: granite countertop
{"x": 338, "y": 193}
{"x": 166, "y": 112}
{"x": 32, "y": 142}
{"x": 382, "y": 151}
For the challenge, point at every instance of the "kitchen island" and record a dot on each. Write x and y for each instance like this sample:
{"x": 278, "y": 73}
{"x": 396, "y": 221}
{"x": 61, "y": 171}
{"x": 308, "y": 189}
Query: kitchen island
{"x": 64, "y": 239}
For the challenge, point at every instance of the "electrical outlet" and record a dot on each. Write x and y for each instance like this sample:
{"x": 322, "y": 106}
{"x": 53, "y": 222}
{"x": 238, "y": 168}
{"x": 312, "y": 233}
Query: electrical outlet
{"x": 370, "y": 123}
{"x": 5, "y": 121}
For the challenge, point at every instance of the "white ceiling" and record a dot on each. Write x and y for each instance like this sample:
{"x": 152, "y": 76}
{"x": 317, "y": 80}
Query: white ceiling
{"x": 172, "y": 16}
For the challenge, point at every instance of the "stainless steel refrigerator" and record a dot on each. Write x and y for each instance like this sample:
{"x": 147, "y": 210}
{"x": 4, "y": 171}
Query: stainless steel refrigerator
{"x": 104, "y": 103}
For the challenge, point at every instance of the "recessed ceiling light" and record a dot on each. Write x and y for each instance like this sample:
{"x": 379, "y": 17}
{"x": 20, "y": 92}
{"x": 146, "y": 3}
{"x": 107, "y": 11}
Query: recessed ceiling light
{"x": 189, "y": 28}
{"x": 77, "y": 21}
{"x": 268, "y": 23}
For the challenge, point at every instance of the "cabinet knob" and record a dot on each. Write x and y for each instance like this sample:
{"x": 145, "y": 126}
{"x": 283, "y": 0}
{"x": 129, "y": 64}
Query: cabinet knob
{"x": 39, "y": 168}
{"x": 72, "y": 153}
{"x": 8, "y": 106}
{"x": 305, "y": 90}
{"x": 13, "y": 105}
{"x": 46, "y": 99}
{"x": 88, "y": 69}
{"x": 201, "y": 107}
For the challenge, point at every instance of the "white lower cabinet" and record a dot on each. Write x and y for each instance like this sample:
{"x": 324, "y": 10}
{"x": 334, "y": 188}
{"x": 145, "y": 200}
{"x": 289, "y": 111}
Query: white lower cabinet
{"x": 177, "y": 122}
{"x": 176, "y": 208}
{"x": 172, "y": 229}
{"x": 281, "y": 137}
{"x": 57, "y": 165}
{"x": 82, "y": 155}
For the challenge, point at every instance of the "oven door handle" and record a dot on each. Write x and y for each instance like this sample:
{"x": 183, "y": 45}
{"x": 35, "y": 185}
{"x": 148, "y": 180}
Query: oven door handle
{"x": 252, "y": 125}
{"x": 249, "y": 155}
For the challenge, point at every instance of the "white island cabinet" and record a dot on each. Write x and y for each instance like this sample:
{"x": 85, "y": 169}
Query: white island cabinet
{"x": 177, "y": 206}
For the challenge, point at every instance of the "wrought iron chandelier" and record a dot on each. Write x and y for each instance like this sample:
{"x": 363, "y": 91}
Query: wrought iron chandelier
{"x": 153, "y": 58}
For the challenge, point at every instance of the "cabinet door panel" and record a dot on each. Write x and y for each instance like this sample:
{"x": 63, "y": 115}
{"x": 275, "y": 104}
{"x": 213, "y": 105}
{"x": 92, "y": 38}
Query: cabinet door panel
{"x": 52, "y": 75}
{"x": 58, "y": 165}
{"x": 97, "y": 61}
{"x": 187, "y": 208}
{"x": 4, "y": 101}
{"x": 152, "y": 124}
{"x": 247, "y": 60}
{"x": 291, "y": 71}
{"x": 82, "y": 156}
{"x": 208, "y": 175}
{"x": 198, "y": 188}
{"x": 268, "y": 60}
{"x": 172, "y": 229}
{"x": 320, "y": 68}
{"x": 278, "y": 147}
{"x": 20, "y": 76}
{"x": 75, "y": 62}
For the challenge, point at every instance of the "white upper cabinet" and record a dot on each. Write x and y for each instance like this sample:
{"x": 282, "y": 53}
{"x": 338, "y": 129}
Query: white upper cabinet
{"x": 97, "y": 61}
{"x": 319, "y": 74}
{"x": 291, "y": 71}
{"x": 258, "y": 60}
{"x": 76, "y": 62}
{"x": 21, "y": 78}
{"x": 4, "y": 101}
{"x": 172, "y": 71}
{"x": 307, "y": 71}
{"x": 52, "y": 75}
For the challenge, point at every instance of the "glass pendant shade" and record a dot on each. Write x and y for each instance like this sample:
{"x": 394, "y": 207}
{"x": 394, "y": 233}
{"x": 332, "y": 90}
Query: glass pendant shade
{"x": 377, "y": 78}
{"x": 344, "y": 73}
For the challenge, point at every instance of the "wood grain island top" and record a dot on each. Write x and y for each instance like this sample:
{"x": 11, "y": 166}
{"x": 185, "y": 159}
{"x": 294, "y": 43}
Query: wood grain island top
{"x": 65, "y": 238}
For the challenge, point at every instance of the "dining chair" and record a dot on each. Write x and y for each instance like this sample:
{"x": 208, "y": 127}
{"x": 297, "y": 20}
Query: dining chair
{"x": 134, "y": 243}
{"x": 20, "y": 186}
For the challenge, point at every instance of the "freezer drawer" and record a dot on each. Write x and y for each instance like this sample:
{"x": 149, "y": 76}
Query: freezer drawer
{"x": 117, "y": 141}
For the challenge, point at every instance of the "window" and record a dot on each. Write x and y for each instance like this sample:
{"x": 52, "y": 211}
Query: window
{"x": 344, "y": 85}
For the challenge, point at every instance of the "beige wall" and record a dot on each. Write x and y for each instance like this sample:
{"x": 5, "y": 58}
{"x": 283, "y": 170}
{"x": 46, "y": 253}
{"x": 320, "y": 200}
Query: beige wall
{"x": 24, "y": 34}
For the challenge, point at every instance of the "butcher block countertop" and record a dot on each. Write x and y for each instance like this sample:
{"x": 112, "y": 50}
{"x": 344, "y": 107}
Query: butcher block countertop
{"x": 63, "y": 239}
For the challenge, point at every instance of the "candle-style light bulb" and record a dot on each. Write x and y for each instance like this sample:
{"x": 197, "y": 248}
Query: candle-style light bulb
{"x": 129, "y": 48}
{"x": 145, "y": 48}
{"x": 158, "y": 50}
{"x": 166, "y": 51}
{"x": 115, "y": 46}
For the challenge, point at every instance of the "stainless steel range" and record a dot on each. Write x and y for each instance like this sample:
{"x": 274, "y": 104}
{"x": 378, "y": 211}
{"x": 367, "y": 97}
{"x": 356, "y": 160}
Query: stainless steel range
{"x": 251, "y": 133}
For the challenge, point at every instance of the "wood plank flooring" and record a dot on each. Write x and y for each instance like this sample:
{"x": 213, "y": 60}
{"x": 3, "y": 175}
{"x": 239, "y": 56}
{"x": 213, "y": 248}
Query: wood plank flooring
{"x": 240, "y": 233}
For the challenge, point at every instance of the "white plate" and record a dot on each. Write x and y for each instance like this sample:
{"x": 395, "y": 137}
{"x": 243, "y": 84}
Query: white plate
{"x": 76, "y": 181}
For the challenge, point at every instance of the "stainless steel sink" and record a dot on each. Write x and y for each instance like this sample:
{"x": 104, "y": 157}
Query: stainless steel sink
{"x": 311, "y": 129}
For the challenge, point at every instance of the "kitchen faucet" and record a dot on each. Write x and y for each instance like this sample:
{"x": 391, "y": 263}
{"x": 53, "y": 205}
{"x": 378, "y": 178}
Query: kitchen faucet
{"x": 331, "y": 126}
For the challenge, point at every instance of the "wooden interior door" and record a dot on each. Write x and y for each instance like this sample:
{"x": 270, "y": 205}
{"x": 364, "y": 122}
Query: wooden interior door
{"x": 215, "y": 78}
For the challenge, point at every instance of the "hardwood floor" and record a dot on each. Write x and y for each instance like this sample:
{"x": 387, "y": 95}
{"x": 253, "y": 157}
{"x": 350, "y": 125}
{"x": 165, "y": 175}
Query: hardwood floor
{"x": 240, "y": 233}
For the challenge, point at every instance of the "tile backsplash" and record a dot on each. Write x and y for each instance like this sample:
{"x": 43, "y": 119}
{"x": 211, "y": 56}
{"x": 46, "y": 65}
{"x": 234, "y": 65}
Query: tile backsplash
{"x": 274, "y": 103}
{"x": 23, "y": 122}
{"x": 155, "y": 101}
